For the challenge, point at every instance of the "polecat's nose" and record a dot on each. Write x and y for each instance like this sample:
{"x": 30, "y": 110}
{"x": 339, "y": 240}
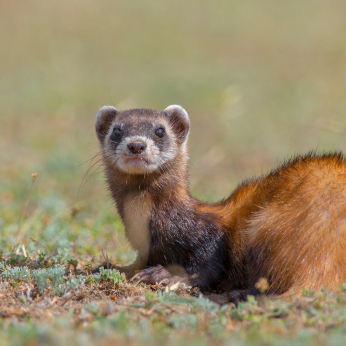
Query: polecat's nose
{"x": 137, "y": 147}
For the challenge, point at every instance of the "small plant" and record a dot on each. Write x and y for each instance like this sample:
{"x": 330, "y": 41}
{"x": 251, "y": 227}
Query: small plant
{"x": 93, "y": 308}
{"x": 205, "y": 305}
{"x": 60, "y": 289}
{"x": 107, "y": 276}
{"x": 88, "y": 267}
{"x": 41, "y": 256}
{"x": 188, "y": 321}
{"x": 20, "y": 274}
{"x": 15, "y": 275}
{"x": 57, "y": 284}
{"x": 41, "y": 276}
{"x": 54, "y": 277}
{"x": 75, "y": 283}
{"x": 34, "y": 177}
{"x": 23, "y": 299}
{"x": 172, "y": 298}
{"x": 3, "y": 267}
{"x": 73, "y": 263}
{"x": 55, "y": 274}
{"x": 16, "y": 260}
{"x": 150, "y": 299}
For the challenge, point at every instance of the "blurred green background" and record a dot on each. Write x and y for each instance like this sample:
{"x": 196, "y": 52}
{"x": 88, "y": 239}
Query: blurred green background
{"x": 261, "y": 81}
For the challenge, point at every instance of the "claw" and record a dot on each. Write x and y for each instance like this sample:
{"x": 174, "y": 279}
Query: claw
{"x": 164, "y": 282}
{"x": 152, "y": 275}
{"x": 135, "y": 277}
{"x": 144, "y": 273}
{"x": 171, "y": 281}
{"x": 142, "y": 279}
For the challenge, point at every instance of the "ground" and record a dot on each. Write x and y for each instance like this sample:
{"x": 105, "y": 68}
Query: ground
{"x": 71, "y": 306}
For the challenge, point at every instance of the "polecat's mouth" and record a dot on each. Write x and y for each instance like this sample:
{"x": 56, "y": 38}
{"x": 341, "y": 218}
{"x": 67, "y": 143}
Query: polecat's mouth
{"x": 136, "y": 159}
{"x": 137, "y": 155}
{"x": 136, "y": 164}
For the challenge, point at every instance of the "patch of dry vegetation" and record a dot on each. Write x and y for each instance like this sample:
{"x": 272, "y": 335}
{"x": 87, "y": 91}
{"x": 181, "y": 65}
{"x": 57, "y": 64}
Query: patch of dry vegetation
{"x": 134, "y": 313}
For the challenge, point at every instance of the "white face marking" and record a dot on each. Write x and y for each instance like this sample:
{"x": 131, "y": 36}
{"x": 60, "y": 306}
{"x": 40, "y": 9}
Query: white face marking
{"x": 149, "y": 160}
{"x": 145, "y": 162}
{"x": 169, "y": 154}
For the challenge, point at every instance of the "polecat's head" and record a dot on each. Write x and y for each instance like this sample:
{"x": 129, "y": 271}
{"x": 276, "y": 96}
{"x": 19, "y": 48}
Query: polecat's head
{"x": 141, "y": 141}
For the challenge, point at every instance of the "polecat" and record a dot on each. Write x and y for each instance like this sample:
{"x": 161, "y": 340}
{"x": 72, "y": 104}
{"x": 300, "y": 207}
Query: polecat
{"x": 288, "y": 227}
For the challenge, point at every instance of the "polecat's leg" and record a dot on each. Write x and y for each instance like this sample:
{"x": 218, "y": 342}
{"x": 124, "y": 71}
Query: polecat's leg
{"x": 159, "y": 275}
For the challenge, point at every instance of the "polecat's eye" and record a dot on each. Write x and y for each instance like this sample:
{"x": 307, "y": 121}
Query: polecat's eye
{"x": 116, "y": 133}
{"x": 160, "y": 132}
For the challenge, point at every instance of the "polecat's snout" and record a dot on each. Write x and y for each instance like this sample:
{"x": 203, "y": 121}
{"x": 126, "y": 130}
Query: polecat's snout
{"x": 137, "y": 155}
{"x": 137, "y": 147}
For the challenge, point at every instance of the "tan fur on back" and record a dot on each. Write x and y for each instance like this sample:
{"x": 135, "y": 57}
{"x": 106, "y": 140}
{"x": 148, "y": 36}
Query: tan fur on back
{"x": 301, "y": 232}
{"x": 293, "y": 223}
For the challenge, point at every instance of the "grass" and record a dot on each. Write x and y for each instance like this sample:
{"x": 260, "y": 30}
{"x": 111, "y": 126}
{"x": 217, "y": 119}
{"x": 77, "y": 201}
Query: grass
{"x": 261, "y": 80}
{"x": 74, "y": 307}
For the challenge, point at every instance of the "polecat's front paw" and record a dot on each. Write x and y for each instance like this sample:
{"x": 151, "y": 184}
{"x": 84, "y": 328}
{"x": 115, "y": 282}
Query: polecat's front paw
{"x": 157, "y": 275}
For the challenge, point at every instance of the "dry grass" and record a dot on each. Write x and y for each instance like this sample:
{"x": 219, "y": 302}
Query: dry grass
{"x": 138, "y": 314}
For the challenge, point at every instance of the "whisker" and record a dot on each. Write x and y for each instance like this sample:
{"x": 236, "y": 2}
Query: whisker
{"x": 84, "y": 179}
{"x": 90, "y": 159}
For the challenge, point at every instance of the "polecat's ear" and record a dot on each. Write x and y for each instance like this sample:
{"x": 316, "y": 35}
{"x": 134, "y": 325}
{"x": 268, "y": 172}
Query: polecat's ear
{"x": 103, "y": 120}
{"x": 180, "y": 121}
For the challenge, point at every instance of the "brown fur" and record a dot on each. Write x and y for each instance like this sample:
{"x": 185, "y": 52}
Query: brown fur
{"x": 291, "y": 224}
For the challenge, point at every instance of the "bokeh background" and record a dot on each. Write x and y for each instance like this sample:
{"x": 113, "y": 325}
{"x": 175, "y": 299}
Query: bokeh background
{"x": 261, "y": 81}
